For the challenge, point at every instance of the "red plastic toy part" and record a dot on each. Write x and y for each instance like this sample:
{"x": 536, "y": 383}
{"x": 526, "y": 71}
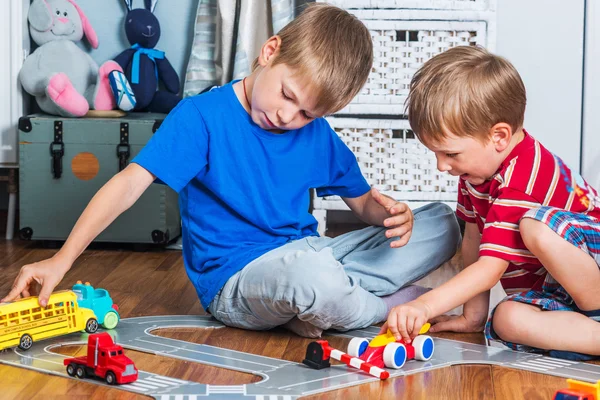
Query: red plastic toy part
{"x": 318, "y": 354}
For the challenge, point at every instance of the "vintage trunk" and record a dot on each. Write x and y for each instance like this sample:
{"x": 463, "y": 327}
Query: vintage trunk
{"x": 63, "y": 163}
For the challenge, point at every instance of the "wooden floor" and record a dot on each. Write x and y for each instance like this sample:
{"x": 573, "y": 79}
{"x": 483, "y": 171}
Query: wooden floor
{"x": 155, "y": 283}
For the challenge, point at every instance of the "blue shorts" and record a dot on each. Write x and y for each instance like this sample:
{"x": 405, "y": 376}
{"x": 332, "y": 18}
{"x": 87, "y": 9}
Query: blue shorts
{"x": 578, "y": 229}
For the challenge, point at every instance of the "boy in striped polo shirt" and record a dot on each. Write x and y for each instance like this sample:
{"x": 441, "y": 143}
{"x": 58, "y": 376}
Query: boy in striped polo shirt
{"x": 531, "y": 222}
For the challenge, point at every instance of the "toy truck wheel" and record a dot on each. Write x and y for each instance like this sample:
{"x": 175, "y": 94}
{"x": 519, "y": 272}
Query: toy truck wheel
{"x": 424, "y": 347}
{"x": 110, "y": 378}
{"x": 26, "y": 342}
{"x": 357, "y": 346}
{"x": 71, "y": 369}
{"x": 111, "y": 319}
{"x": 394, "y": 355}
{"x": 80, "y": 372}
{"x": 91, "y": 326}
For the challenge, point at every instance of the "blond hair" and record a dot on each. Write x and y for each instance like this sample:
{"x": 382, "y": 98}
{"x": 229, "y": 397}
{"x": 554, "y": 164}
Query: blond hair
{"x": 465, "y": 90}
{"x": 332, "y": 49}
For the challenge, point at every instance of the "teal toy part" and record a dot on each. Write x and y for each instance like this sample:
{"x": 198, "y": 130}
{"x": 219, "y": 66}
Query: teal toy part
{"x": 100, "y": 302}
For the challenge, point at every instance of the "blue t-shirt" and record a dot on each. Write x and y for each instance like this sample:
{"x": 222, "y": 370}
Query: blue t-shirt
{"x": 243, "y": 191}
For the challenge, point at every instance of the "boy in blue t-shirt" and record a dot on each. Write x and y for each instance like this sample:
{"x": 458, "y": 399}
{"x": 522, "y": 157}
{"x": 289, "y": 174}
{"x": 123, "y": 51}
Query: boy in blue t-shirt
{"x": 243, "y": 158}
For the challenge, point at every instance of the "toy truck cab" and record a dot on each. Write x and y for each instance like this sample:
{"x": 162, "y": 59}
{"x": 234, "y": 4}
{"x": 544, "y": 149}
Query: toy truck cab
{"x": 104, "y": 360}
{"x": 99, "y": 301}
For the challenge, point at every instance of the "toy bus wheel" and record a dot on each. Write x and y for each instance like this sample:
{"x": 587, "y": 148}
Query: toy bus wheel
{"x": 111, "y": 319}
{"x": 26, "y": 342}
{"x": 357, "y": 346}
{"x": 71, "y": 369}
{"x": 110, "y": 378}
{"x": 394, "y": 355}
{"x": 423, "y": 347}
{"x": 91, "y": 326}
{"x": 80, "y": 372}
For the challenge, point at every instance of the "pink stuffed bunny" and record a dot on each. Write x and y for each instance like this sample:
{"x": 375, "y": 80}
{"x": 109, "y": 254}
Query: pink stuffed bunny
{"x": 64, "y": 79}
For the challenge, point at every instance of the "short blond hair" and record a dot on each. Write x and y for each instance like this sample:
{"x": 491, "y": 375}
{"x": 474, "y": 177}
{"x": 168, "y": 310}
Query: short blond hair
{"x": 332, "y": 49}
{"x": 465, "y": 90}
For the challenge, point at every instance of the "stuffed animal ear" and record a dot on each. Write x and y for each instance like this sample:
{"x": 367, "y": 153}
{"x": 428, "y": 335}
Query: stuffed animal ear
{"x": 128, "y": 4}
{"x": 40, "y": 16}
{"x": 89, "y": 32}
{"x": 150, "y": 5}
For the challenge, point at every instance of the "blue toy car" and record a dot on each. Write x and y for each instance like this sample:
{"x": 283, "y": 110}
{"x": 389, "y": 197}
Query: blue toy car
{"x": 99, "y": 301}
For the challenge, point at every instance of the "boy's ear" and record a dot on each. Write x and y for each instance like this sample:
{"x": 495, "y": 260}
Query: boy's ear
{"x": 269, "y": 50}
{"x": 501, "y": 134}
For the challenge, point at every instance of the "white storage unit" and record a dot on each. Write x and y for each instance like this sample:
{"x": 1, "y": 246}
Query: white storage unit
{"x": 406, "y": 33}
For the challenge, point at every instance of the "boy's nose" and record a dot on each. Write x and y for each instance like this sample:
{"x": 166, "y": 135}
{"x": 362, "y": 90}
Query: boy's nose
{"x": 442, "y": 166}
{"x": 285, "y": 117}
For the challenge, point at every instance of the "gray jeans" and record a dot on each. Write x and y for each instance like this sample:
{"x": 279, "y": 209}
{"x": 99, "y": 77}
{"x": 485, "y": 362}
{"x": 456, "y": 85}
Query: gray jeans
{"x": 336, "y": 283}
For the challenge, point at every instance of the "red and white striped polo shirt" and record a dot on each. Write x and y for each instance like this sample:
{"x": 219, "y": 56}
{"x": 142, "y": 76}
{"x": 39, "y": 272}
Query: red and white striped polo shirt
{"x": 531, "y": 176}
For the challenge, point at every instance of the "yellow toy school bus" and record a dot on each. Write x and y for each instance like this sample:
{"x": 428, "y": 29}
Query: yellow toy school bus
{"x": 23, "y": 321}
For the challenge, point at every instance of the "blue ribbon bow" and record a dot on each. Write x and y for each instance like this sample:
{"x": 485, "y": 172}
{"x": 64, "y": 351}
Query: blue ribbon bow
{"x": 152, "y": 54}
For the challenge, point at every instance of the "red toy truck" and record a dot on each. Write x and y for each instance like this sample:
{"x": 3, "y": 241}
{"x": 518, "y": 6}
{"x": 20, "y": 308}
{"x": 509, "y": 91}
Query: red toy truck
{"x": 104, "y": 360}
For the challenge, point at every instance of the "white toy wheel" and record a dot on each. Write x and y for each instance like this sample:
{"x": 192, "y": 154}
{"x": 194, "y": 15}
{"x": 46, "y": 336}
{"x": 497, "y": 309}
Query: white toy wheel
{"x": 357, "y": 346}
{"x": 424, "y": 347}
{"x": 394, "y": 355}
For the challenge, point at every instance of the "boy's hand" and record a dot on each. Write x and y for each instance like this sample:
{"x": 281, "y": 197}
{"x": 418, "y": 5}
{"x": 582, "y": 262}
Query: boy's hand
{"x": 400, "y": 222}
{"x": 456, "y": 323}
{"x": 405, "y": 321}
{"x": 47, "y": 273}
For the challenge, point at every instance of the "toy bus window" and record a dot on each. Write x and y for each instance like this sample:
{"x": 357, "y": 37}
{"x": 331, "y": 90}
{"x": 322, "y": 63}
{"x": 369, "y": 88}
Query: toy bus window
{"x": 120, "y": 352}
{"x": 36, "y": 309}
{"x": 113, "y": 353}
{"x": 2, "y": 317}
{"x": 13, "y": 315}
{"x": 37, "y": 316}
{"x": 103, "y": 354}
{"x": 25, "y": 312}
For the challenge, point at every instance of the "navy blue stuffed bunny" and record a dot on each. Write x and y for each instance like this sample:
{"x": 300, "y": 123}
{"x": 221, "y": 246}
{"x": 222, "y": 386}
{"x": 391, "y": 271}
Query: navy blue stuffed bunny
{"x": 144, "y": 65}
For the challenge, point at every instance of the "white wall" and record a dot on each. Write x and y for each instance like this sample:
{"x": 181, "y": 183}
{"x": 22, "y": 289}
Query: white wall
{"x": 544, "y": 40}
{"x": 591, "y": 108}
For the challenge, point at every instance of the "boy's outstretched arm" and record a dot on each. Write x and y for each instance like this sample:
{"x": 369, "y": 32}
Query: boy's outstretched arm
{"x": 116, "y": 196}
{"x": 377, "y": 209}
{"x": 475, "y": 311}
{"x": 406, "y": 320}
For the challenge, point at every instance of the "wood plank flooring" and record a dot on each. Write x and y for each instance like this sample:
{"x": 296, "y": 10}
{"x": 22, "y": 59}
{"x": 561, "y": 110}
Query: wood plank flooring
{"x": 154, "y": 283}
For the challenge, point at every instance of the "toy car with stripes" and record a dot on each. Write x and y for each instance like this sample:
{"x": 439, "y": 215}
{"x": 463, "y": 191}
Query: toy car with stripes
{"x": 385, "y": 351}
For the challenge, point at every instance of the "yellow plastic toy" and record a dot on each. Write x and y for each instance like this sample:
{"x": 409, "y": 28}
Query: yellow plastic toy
{"x": 578, "y": 390}
{"x": 24, "y": 320}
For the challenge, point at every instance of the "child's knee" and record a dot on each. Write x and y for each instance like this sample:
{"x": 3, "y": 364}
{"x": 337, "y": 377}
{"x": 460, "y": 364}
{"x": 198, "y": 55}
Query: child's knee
{"x": 309, "y": 274}
{"x": 506, "y": 321}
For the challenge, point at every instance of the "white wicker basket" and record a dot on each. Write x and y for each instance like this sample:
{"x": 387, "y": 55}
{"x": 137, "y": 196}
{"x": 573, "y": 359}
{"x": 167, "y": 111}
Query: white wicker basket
{"x": 416, "y": 4}
{"x": 400, "y": 49}
{"x": 393, "y": 160}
